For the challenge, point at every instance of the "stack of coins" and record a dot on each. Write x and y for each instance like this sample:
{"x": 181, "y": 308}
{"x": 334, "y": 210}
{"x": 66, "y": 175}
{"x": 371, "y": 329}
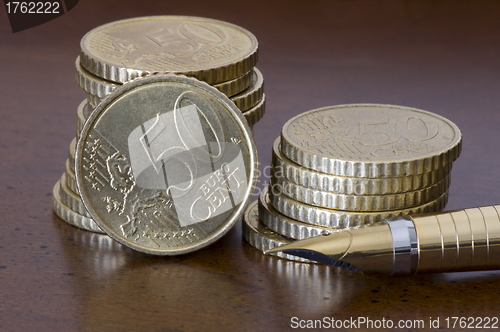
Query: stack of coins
{"x": 66, "y": 200}
{"x": 351, "y": 165}
{"x": 221, "y": 54}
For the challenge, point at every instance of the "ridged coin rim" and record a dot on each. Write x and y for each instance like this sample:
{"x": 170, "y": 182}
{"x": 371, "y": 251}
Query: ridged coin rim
{"x": 253, "y": 94}
{"x": 350, "y": 185}
{"x": 359, "y": 202}
{"x": 99, "y": 88}
{"x": 69, "y": 216}
{"x": 261, "y": 237}
{"x": 284, "y": 225}
{"x": 71, "y": 199}
{"x": 71, "y": 153}
{"x": 70, "y": 177}
{"x": 256, "y": 113}
{"x": 83, "y": 109}
{"x": 344, "y": 219}
{"x": 93, "y": 84}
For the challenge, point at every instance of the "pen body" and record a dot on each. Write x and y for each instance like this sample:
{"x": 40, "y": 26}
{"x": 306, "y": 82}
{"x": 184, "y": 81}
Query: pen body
{"x": 462, "y": 240}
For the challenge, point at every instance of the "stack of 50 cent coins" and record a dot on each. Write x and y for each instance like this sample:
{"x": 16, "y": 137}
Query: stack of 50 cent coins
{"x": 220, "y": 54}
{"x": 351, "y": 165}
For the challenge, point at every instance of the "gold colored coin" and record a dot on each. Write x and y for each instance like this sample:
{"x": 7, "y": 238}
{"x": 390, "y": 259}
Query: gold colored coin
{"x": 100, "y": 88}
{"x": 284, "y": 225}
{"x": 283, "y": 167}
{"x": 70, "y": 177}
{"x": 71, "y": 153}
{"x": 93, "y": 84}
{"x": 82, "y": 113}
{"x": 71, "y": 199}
{"x": 70, "y": 216}
{"x": 93, "y": 100}
{"x": 166, "y": 164}
{"x": 253, "y": 94}
{"x": 261, "y": 237}
{"x": 371, "y": 140}
{"x": 233, "y": 87}
{"x": 359, "y": 202}
{"x": 244, "y": 100}
{"x": 256, "y": 113}
{"x": 210, "y": 50}
{"x": 252, "y": 115}
{"x": 341, "y": 218}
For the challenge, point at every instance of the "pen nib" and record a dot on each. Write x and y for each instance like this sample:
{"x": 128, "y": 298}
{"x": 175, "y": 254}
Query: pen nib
{"x": 368, "y": 249}
{"x": 313, "y": 249}
{"x": 316, "y": 257}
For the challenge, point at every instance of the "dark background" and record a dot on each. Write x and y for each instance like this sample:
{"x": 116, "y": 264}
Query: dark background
{"x": 439, "y": 56}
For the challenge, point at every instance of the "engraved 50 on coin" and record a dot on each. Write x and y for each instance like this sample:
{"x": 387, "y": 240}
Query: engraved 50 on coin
{"x": 210, "y": 50}
{"x": 371, "y": 140}
{"x": 166, "y": 164}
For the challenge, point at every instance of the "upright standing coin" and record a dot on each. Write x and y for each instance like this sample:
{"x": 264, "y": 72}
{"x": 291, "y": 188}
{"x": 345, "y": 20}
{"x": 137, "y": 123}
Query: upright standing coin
{"x": 210, "y": 50}
{"x": 371, "y": 141}
{"x": 166, "y": 164}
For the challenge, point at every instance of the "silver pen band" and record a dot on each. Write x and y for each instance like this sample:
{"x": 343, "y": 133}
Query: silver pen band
{"x": 405, "y": 244}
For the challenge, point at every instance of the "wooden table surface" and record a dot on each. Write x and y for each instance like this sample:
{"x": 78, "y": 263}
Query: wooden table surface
{"x": 440, "y": 56}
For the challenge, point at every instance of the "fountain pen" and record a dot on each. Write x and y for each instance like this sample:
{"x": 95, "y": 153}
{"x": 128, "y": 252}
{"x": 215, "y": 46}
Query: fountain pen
{"x": 455, "y": 241}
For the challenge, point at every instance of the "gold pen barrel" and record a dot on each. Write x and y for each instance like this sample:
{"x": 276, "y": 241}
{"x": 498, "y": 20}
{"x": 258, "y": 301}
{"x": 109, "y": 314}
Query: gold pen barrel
{"x": 462, "y": 240}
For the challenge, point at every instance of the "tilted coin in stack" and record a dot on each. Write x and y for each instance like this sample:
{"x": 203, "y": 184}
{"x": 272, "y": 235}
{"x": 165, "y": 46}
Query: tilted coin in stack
{"x": 351, "y": 165}
{"x": 176, "y": 52}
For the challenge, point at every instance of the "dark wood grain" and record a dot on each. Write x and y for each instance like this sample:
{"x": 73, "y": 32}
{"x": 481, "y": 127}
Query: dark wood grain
{"x": 440, "y": 56}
